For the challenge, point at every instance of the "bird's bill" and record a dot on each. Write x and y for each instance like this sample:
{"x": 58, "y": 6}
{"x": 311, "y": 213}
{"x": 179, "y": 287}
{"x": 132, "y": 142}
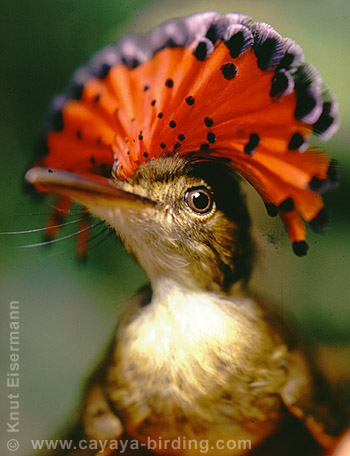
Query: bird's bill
{"x": 95, "y": 192}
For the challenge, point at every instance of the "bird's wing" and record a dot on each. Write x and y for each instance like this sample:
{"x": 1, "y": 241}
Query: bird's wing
{"x": 308, "y": 397}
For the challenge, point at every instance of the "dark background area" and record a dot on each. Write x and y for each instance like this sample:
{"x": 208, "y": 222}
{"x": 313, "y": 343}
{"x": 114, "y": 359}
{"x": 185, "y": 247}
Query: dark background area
{"x": 68, "y": 311}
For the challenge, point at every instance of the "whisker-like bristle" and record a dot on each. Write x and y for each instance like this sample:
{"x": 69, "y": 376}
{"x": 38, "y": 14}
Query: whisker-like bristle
{"x": 35, "y": 230}
{"x": 68, "y": 212}
{"x": 70, "y": 249}
{"x": 61, "y": 238}
{"x": 83, "y": 246}
{"x": 108, "y": 235}
{"x": 78, "y": 210}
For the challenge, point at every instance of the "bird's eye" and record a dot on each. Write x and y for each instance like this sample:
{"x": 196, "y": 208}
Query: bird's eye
{"x": 199, "y": 200}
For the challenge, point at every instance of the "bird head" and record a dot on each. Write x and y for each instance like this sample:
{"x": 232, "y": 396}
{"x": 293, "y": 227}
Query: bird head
{"x": 183, "y": 219}
{"x": 150, "y": 137}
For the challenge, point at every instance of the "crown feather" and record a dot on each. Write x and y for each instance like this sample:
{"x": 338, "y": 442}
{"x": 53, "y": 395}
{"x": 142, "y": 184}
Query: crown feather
{"x": 219, "y": 85}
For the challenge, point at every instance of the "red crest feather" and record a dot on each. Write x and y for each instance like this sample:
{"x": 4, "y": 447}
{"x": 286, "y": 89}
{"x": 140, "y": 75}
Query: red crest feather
{"x": 220, "y": 85}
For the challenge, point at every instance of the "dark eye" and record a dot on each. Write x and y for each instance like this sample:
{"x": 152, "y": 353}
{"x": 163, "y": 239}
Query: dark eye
{"x": 199, "y": 200}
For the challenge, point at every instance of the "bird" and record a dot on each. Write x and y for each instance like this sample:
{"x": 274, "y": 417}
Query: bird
{"x": 154, "y": 137}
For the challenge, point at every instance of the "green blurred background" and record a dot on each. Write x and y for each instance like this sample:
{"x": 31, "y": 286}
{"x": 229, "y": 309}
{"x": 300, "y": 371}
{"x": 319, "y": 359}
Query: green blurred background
{"x": 68, "y": 311}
